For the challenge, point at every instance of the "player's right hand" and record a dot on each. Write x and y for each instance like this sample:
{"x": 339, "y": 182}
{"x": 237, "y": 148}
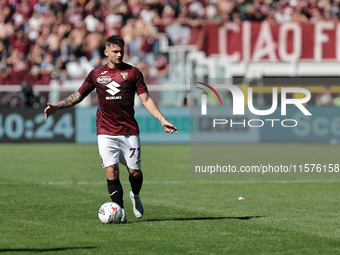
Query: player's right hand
{"x": 50, "y": 109}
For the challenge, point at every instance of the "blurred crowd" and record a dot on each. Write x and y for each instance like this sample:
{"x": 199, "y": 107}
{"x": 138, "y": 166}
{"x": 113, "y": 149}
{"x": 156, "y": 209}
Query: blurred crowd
{"x": 327, "y": 98}
{"x": 40, "y": 38}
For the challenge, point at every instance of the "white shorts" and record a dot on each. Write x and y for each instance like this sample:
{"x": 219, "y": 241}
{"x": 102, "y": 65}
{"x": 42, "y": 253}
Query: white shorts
{"x": 120, "y": 148}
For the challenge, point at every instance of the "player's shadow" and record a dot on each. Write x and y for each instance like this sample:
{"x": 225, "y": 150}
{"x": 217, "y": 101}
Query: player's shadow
{"x": 45, "y": 250}
{"x": 206, "y": 218}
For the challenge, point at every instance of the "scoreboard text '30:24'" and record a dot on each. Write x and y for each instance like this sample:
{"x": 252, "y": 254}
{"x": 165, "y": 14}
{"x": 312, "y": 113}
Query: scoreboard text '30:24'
{"x": 29, "y": 125}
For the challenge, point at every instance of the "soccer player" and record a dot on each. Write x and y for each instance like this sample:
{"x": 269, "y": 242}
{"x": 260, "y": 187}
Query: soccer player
{"x": 117, "y": 130}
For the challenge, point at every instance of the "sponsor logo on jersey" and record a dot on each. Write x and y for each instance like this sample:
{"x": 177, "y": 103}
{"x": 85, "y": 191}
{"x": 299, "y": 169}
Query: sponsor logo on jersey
{"x": 113, "y": 90}
{"x": 104, "y": 79}
{"x": 104, "y": 72}
{"x": 124, "y": 75}
{"x": 113, "y": 98}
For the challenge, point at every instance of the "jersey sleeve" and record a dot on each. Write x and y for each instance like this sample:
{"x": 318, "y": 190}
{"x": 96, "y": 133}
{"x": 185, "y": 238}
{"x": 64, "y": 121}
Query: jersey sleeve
{"x": 140, "y": 84}
{"x": 88, "y": 85}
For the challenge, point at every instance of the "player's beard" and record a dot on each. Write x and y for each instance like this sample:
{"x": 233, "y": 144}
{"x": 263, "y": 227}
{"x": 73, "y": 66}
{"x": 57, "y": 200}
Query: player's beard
{"x": 117, "y": 62}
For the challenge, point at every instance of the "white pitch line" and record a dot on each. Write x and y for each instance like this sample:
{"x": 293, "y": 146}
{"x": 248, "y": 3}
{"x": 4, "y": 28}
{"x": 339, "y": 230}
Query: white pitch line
{"x": 174, "y": 182}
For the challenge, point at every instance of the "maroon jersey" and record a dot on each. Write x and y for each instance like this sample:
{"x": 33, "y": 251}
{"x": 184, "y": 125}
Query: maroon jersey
{"x": 116, "y": 90}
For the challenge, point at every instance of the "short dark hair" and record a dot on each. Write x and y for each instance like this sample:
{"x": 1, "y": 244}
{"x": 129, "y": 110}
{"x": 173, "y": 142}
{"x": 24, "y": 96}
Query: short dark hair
{"x": 115, "y": 40}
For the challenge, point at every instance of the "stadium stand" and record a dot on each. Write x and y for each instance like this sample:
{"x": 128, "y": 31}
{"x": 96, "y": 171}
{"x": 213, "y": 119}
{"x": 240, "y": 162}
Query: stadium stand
{"x": 44, "y": 40}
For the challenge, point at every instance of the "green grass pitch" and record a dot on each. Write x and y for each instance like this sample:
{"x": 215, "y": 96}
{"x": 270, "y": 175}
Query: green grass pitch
{"x": 50, "y": 195}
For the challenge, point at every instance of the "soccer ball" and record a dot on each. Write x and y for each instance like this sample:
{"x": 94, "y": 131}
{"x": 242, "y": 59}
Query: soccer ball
{"x": 110, "y": 212}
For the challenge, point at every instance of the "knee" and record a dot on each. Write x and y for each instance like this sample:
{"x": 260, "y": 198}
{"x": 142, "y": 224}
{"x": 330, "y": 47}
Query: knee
{"x": 112, "y": 172}
{"x": 135, "y": 173}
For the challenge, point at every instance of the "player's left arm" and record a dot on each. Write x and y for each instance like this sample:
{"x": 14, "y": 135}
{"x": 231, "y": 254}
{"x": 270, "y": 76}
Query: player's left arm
{"x": 153, "y": 109}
